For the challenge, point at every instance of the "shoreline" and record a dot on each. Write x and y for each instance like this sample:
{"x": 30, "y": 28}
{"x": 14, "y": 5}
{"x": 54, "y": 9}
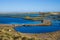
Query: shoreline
{"x": 52, "y": 35}
{"x": 8, "y": 29}
{"x": 45, "y": 23}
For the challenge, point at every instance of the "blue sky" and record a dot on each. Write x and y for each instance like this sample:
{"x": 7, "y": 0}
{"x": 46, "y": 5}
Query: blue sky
{"x": 29, "y": 5}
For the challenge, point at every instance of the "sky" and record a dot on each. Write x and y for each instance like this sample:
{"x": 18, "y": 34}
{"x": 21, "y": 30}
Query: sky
{"x": 29, "y": 5}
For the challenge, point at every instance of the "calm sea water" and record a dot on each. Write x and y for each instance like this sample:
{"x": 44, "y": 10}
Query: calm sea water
{"x": 31, "y": 29}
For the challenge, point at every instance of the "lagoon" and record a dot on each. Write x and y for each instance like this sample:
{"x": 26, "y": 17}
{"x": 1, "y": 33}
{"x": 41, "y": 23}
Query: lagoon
{"x": 31, "y": 29}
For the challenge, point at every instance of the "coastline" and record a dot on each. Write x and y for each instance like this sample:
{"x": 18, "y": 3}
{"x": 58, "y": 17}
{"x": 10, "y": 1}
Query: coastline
{"x": 43, "y": 36}
{"x": 11, "y": 32}
{"x": 45, "y": 23}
